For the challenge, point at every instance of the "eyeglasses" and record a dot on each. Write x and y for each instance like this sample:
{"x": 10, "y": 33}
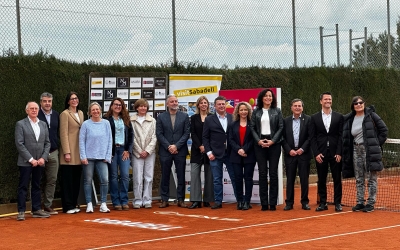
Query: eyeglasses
{"x": 358, "y": 103}
{"x": 74, "y": 99}
{"x": 117, "y": 105}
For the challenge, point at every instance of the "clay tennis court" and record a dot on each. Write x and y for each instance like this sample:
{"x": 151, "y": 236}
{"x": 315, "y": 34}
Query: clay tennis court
{"x": 203, "y": 228}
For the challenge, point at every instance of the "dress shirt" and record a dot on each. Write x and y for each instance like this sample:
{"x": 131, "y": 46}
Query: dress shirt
{"x": 35, "y": 127}
{"x": 296, "y": 130}
{"x": 223, "y": 120}
{"x": 48, "y": 116}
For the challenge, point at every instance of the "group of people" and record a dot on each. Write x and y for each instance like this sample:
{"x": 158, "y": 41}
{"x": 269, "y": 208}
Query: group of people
{"x": 350, "y": 142}
{"x": 49, "y": 141}
{"x": 114, "y": 143}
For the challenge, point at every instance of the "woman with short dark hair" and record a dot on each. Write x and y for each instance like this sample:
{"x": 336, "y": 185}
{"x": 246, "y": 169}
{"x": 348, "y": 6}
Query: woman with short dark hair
{"x": 143, "y": 154}
{"x": 364, "y": 132}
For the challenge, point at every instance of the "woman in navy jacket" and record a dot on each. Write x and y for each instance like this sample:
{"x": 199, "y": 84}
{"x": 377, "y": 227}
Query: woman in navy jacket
{"x": 122, "y": 134}
{"x": 242, "y": 154}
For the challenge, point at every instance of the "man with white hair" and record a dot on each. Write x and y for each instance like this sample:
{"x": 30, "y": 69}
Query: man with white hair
{"x": 33, "y": 145}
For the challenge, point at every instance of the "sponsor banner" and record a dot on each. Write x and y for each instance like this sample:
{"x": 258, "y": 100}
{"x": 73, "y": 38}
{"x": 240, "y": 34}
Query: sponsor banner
{"x": 187, "y": 88}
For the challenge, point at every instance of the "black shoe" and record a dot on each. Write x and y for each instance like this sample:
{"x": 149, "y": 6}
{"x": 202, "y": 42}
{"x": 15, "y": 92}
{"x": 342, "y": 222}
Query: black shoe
{"x": 322, "y": 207}
{"x": 250, "y": 206}
{"x": 239, "y": 206}
{"x": 246, "y": 205}
{"x": 288, "y": 207}
{"x": 358, "y": 207}
{"x": 206, "y": 204}
{"x": 216, "y": 206}
{"x": 305, "y": 207}
{"x": 264, "y": 207}
{"x": 338, "y": 208}
{"x": 272, "y": 207}
{"x": 368, "y": 208}
{"x": 195, "y": 204}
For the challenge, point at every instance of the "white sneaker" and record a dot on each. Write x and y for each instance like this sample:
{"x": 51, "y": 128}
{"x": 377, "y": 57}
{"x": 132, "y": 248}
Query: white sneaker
{"x": 77, "y": 210}
{"x": 89, "y": 208}
{"x": 104, "y": 208}
{"x": 71, "y": 211}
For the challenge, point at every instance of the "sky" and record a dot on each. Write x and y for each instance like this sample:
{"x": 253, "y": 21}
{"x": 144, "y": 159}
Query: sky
{"x": 221, "y": 33}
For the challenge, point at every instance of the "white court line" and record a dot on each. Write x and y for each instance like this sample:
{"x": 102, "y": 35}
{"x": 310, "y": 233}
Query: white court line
{"x": 325, "y": 237}
{"x": 217, "y": 231}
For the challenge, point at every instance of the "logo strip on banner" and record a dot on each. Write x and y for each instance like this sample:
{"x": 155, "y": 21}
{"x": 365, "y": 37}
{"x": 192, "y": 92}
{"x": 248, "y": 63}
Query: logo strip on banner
{"x": 195, "y": 77}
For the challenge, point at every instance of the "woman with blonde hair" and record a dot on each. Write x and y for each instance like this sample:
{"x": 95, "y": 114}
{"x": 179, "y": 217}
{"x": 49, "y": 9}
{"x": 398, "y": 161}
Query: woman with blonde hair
{"x": 95, "y": 146}
{"x": 143, "y": 158}
{"x": 242, "y": 154}
{"x": 198, "y": 157}
{"x": 122, "y": 134}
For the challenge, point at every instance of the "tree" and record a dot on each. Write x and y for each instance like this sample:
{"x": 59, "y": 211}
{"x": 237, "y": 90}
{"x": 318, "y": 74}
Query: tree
{"x": 377, "y": 51}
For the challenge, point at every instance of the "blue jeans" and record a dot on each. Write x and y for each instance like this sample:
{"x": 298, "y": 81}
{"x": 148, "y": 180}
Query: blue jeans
{"x": 102, "y": 172}
{"x": 119, "y": 195}
{"x": 217, "y": 172}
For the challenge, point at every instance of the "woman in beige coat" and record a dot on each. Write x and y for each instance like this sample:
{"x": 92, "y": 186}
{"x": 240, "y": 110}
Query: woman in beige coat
{"x": 144, "y": 156}
{"x": 71, "y": 120}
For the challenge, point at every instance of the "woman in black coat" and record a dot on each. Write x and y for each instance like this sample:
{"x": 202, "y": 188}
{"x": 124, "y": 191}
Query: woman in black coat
{"x": 267, "y": 129}
{"x": 242, "y": 154}
{"x": 364, "y": 132}
{"x": 198, "y": 157}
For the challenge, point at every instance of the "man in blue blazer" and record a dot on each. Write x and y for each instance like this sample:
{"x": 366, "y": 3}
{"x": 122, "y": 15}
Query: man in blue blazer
{"x": 296, "y": 144}
{"x": 215, "y": 137}
{"x": 326, "y": 142}
{"x": 33, "y": 145}
{"x": 52, "y": 119}
{"x": 172, "y": 131}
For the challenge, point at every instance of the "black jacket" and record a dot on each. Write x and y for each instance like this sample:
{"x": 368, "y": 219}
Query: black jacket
{"x": 128, "y": 144}
{"x": 196, "y": 133}
{"x": 374, "y": 135}
{"x": 248, "y": 144}
{"x": 275, "y": 121}
{"x": 53, "y": 127}
{"x": 304, "y": 138}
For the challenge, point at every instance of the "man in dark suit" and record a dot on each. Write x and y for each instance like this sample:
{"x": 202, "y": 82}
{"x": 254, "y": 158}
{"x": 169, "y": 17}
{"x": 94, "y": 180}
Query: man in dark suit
{"x": 326, "y": 143}
{"x": 51, "y": 118}
{"x": 296, "y": 144}
{"x": 172, "y": 130}
{"x": 33, "y": 145}
{"x": 215, "y": 137}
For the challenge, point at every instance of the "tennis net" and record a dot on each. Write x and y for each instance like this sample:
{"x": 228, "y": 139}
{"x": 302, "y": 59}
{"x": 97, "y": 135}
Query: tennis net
{"x": 388, "y": 195}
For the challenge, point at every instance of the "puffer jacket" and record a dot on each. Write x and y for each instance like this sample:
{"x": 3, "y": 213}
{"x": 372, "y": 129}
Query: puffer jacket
{"x": 374, "y": 134}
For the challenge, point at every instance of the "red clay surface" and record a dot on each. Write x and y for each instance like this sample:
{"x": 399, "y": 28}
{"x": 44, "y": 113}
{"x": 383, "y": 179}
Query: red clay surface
{"x": 203, "y": 228}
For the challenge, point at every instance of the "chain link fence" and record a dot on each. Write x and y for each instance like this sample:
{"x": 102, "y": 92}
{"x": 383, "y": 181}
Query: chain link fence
{"x": 225, "y": 33}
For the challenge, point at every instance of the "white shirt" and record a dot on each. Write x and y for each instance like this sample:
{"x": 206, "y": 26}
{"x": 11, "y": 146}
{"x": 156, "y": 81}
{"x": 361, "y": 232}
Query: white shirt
{"x": 265, "y": 125}
{"x": 326, "y": 118}
{"x": 223, "y": 120}
{"x": 35, "y": 127}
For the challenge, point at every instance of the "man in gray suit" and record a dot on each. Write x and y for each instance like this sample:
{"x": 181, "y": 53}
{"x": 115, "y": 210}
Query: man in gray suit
{"x": 172, "y": 130}
{"x": 33, "y": 145}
